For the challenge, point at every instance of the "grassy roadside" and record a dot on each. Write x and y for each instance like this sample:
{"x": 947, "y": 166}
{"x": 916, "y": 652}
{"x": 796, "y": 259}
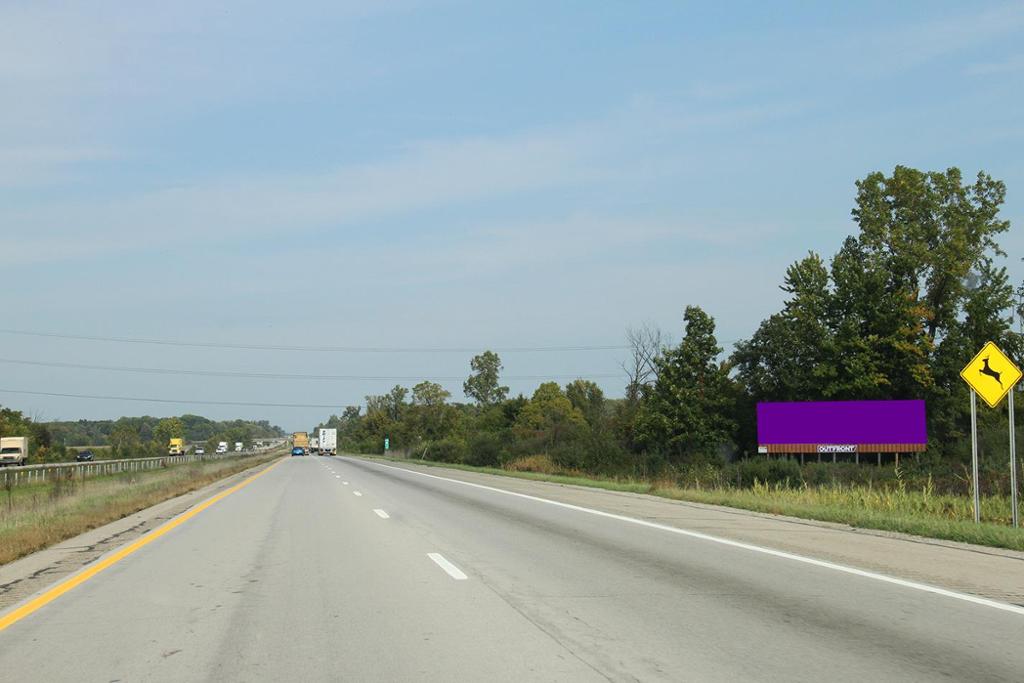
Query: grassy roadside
{"x": 921, "y": 513}
{"x": 34, "y": 519}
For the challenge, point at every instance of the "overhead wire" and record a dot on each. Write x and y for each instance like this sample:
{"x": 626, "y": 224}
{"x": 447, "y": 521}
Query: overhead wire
{"x": 170, "y": 400}
{"x": 336, "y": 349}
{"x": 269, "y": 375}
{"x": 288, "y": 376}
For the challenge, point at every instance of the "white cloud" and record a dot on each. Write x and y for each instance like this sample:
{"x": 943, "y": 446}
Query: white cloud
{"x": 916, "y": 44}
{"x": 425, "y": 176}
{"x": 1010, "y": 65}
{"x": 887, "y": 47}
{"x": 78, "y": 73}
{"x": 26, "y": 166}
{"x": 428, "y": 175}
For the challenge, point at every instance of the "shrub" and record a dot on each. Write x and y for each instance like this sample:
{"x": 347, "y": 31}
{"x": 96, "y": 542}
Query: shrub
{"x": 485, "y": 450}
{"x": 447, "y": 450}
{"x": 570, "y": 455}
{"x": 649, "y": 465}
{"x": 745, "y": 473}
{"x": 533, "y": 463}
{"x": 601, "y": 453}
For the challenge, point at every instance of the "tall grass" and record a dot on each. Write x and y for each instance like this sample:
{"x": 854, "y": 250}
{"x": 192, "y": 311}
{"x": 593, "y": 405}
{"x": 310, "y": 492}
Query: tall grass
{"x": 920, "y": 512}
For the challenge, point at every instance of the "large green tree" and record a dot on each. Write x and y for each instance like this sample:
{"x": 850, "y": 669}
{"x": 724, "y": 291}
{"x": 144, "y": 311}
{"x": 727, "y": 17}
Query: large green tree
{"x": 483, "y": 386}
{"x": 167, "y": 429}
{"x": 549, "y": 417}
{"x": 588, "y": 398}
{"x": 690, "y": 408}
{"x": 787, "y": 355}
{"x": 124, "y": 436}
{"x": 41, "y": 446}
{"x": 431, "y": 416}
{"x": 902, "y": 306}
{"x": 385, "y": 418}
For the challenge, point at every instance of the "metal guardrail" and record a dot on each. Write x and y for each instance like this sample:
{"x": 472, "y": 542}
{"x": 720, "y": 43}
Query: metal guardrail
{"x": 39, "y": 474}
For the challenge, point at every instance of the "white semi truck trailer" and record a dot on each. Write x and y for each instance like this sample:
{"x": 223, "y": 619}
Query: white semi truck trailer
{"x": 328, "y": 441}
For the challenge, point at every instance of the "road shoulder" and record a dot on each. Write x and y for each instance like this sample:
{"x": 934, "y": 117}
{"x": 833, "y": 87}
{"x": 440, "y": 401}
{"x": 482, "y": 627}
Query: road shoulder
{"x": 992, "y": 573}
{"x": 33, "y": 573}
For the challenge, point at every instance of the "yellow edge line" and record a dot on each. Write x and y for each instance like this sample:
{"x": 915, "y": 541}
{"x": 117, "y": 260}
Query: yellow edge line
{"x": 78, "y": 579}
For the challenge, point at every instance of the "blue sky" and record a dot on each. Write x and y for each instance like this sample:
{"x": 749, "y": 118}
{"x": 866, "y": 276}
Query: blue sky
{"x": 450, "y": 174}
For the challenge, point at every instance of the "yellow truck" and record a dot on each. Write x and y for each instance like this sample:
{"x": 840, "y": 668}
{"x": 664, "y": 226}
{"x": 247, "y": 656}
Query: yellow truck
{"x": 301, "y": 440}
{"x": 176, "y": 447}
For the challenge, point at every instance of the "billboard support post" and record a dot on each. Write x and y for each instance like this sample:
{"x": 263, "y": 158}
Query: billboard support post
{"x": 1013, "y": 464}
{"x": 974, "y": 456}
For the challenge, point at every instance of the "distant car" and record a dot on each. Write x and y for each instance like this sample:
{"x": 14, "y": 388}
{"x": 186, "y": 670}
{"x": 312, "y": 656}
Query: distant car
{"x": 199, "y": 450}
{"x": 84, "y": 456}
{"x": 298, "y": 450}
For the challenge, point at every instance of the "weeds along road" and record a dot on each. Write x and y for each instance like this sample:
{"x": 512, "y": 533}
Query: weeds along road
{"x": 343, "y": 569}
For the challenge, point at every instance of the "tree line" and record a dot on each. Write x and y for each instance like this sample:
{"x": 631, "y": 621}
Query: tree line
{"x": 895, "y": 313}
{"x": 128, "y": 436}
{"x": 129, "y": 431}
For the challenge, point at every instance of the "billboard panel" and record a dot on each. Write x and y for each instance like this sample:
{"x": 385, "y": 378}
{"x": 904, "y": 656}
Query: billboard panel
{"x": 842, "y": 422}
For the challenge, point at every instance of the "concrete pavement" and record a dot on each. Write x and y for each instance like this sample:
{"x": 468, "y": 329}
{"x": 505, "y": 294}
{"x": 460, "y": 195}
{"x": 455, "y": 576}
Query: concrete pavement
{"x": 423, "y": 578}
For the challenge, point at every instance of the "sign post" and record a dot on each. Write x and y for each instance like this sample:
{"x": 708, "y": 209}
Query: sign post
{"x": 1013, "y": 464}
{"x": 991, "y": 375}
{"x": 974, "y": 457}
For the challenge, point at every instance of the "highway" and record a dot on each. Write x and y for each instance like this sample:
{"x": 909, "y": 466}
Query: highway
{"x": 343, "y": 569}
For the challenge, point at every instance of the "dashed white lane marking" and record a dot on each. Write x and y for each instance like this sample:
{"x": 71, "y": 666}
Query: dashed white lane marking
{"x": 450, "y": 568}
{"x": 345, "y": 483}
{"x": 924, "y": 587}
{"x": 357, "y": 493}
{"x": 382, "y": 514}
{"x": 337, "y": 476}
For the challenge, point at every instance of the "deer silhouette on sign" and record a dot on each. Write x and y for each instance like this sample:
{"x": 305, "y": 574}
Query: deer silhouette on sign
{"x": 986, "y": 370}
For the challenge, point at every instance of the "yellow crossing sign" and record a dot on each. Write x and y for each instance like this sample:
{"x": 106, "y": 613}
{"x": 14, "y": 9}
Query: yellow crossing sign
{"x": 991, "y": 374}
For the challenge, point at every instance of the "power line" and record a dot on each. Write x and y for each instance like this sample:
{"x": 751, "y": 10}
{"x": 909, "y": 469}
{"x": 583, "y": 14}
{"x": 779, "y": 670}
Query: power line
{"x": 275, "y": 375}
{"x": 337, "y": 349}
{"x": 171, "y": 400}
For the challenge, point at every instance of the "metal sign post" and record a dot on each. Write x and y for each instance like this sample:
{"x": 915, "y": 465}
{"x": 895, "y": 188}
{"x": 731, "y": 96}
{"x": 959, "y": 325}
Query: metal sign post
{"x": 974, "y": 456}
{"x": 992, "y": 375}
{"x": 1013, "y": 464}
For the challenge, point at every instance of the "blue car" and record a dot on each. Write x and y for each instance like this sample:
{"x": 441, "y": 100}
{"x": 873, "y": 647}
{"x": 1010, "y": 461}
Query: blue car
{"x": 298, "y": 450}
{"x": 84, "y": 456}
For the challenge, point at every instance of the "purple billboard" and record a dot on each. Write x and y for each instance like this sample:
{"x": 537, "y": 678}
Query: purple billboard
{"x": 842, "y": 422}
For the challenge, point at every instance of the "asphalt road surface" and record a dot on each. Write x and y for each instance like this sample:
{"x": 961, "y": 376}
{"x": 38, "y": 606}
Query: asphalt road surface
{"x": 341, "y": 569}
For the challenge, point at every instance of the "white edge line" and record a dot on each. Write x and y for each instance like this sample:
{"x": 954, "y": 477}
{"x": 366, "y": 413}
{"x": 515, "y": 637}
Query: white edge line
{"x": 1006, "y": 607}
{"x": 450, "y": 568}
{"x": 382, "y": 514}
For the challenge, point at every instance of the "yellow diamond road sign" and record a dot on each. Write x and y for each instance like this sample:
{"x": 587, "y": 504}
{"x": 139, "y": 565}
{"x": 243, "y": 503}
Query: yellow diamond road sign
{"x": 991, "y": 374}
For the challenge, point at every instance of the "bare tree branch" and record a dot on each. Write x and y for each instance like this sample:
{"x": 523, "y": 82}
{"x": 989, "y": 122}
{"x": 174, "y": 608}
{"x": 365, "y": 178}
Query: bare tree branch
{"x": 646, "y": 344}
